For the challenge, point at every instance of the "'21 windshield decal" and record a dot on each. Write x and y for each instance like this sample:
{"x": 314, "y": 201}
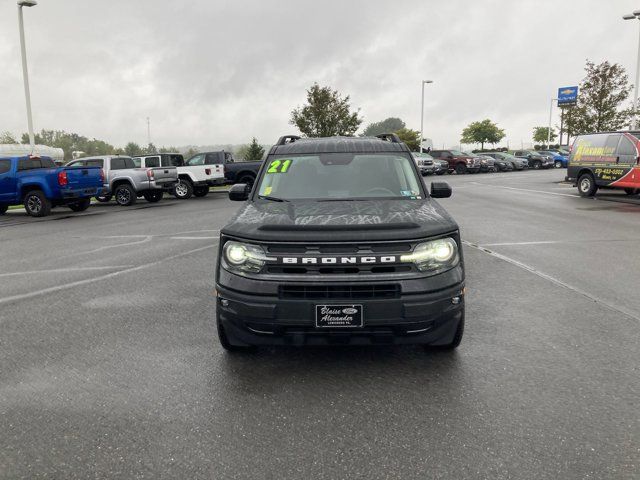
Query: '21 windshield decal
{"x": 279, "y": 166}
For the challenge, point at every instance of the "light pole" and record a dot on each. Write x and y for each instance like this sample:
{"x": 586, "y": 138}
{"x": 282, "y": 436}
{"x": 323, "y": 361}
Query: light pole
{"x": 549, "y": 130}
{"x": 25, "y": 72}
{"x": 633, "y": 16}
{"x": 422, "y": 114}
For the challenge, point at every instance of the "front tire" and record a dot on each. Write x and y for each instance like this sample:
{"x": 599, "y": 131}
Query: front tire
{"x": 104, "y": 198}
{"x": 537, "y": 165}
{"x": 81, "y": 205}
{"x": 631, "y": 191}
{"x": 36, "y": 204}
{"x": 154, "y": 196}
{"x": 200, "y": 191}
{"x": 125, "y": 195}
{"x": 183, "y": 190}
{"x": 247, "y": 179}
{"x": 587, "y": 185}
{"x": 3, "y": 209}
{"x": 557, "y": 164}
{"x": 461, "y": 169}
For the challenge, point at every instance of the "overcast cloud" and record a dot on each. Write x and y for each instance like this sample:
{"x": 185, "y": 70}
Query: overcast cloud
{"x": 217, "y": 72}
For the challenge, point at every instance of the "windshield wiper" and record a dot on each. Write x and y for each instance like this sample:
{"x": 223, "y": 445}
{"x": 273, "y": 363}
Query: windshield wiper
{"x": 272, "y": 199}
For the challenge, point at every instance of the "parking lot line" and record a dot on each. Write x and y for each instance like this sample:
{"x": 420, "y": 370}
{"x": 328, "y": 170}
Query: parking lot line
{"x": 64, "y": 270}
{"x": 554, "y": 280}
{"x": 65, "y": 286}
{"x": 527, "y": 190}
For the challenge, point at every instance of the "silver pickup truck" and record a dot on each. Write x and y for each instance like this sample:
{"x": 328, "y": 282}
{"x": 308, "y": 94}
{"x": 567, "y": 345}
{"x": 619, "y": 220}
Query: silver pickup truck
{"x": 126, "y": 182}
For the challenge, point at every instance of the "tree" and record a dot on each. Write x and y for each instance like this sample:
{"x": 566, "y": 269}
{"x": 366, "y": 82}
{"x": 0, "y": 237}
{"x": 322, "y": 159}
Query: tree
{"x": 254, "y": 151}
{"x": 482, "y": 132}
{"x": 7, "y": 137}
{"x": 602, "y": 92}
{"x": 410, "y": 137}
{"x": 132, "y": 149}
{"x": 151, "y": 148}
{"x": 326, "y": 114}
{"x": 167, "y": 150}
{"x": 391, "y": 124}
{"x": 541, "y": 134}
{"x": 190, "y": 153}
{"x": 70, "y": 142}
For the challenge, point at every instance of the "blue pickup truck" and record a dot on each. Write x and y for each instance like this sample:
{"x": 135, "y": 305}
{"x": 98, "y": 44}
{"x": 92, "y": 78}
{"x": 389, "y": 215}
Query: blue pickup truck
{"x": 39, "y": 185}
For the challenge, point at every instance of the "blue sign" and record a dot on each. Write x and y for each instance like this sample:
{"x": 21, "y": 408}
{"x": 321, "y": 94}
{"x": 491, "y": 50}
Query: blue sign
{"x": 567, "y": 95}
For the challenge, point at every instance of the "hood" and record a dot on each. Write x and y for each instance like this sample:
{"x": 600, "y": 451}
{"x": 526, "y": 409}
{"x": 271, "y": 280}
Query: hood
{"x": 356, "y": 221}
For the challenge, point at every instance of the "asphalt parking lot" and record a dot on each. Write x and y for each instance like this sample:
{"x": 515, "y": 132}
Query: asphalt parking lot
{"x": 110, "y": 366}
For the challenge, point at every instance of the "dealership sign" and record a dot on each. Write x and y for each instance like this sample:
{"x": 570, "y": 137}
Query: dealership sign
{"x": 567, "y": 96}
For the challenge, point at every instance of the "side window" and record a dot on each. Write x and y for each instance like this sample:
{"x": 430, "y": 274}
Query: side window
{"x": 177, "y": 160}
{"x": 95, "y": 163}
{"x": 5, "y": 165}
{"x": 212, "y": 159}
{"x": 137, "y": 162}
{"x": 611, "y": 144}
{"x": 79, "y": 163}
{"x": 151, "y": 162}
{"x": 197, "y": 160}
{"x": 627, "y": 151}
{"x": 166, "y": 161}
{"x": 129, "y": 163}
{"x": 117, "y": 164}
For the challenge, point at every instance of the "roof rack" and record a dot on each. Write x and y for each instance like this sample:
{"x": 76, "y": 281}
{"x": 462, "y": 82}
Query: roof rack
{"x": 389, "y": 137}
{"x": 287, "y": 139}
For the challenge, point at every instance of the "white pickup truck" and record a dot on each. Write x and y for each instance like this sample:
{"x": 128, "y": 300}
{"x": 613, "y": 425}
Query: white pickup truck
{"x": 195, "y": 176}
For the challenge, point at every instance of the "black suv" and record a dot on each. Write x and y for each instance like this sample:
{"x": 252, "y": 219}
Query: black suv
{"x": 340, "y": 243}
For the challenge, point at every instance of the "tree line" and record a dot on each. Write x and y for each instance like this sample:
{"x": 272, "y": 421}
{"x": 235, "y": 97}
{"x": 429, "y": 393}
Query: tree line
{"x": 602, "y": 105}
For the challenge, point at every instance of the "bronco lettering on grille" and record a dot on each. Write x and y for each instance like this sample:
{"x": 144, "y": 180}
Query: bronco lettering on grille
{"x": 337, "y": 260}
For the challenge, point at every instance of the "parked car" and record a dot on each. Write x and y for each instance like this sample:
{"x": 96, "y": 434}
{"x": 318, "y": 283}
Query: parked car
{"x": 487, "y": 164}
{"x": 301, "y": 263}
{"x": 501, "y": 164}
{"x": 441, "y": 166}
{"x": 126, "y": 183}
{"x": 607, "y": 160}
{"x": 536, "y": 161}
{"x": 425, "y": 164}
{"x": 193, "y": 179}
{"x": 39, "y": 185}
{"x": 516, "y": 163}
{"x": 560, "y": 160}
{"x": 458, "y": 161}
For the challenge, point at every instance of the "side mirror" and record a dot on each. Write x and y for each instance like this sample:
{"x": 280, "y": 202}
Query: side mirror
{"x": 440, "y": 190}
{"x": 239, "y": 192}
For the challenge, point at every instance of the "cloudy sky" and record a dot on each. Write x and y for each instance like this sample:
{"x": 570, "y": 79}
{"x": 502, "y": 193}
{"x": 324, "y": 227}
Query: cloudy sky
{"x": 217, "y": 72}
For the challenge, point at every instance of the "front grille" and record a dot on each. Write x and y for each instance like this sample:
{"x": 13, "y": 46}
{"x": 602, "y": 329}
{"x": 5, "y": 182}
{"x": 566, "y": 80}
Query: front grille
{"x": 339, "y": 249}
{"x": 333, "y": 270}
{"x": 335, "y": 292}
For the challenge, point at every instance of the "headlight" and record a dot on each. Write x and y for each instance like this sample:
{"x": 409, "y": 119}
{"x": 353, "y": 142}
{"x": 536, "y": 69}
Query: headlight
{"x": 434, "y": 256}
{"x": 243, "y": 257}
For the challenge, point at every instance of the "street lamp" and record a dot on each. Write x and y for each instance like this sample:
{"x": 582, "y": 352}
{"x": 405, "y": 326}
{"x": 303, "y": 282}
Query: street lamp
{"x": 25, "y": 72}
{"x": 549, "y": 130}
{"x": 422, "y": 113}
{"x": 633, "y": 16}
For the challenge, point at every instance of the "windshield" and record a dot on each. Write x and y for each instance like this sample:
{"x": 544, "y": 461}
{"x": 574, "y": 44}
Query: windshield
{"x": 456, "y": 153}
{"x": 424, "y": 156}
{"x": 340, "y": 176}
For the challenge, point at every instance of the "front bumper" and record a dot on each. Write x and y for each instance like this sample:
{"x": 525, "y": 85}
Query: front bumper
{"x": 420, "y": 318}
{"x": 428, "y": 170}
